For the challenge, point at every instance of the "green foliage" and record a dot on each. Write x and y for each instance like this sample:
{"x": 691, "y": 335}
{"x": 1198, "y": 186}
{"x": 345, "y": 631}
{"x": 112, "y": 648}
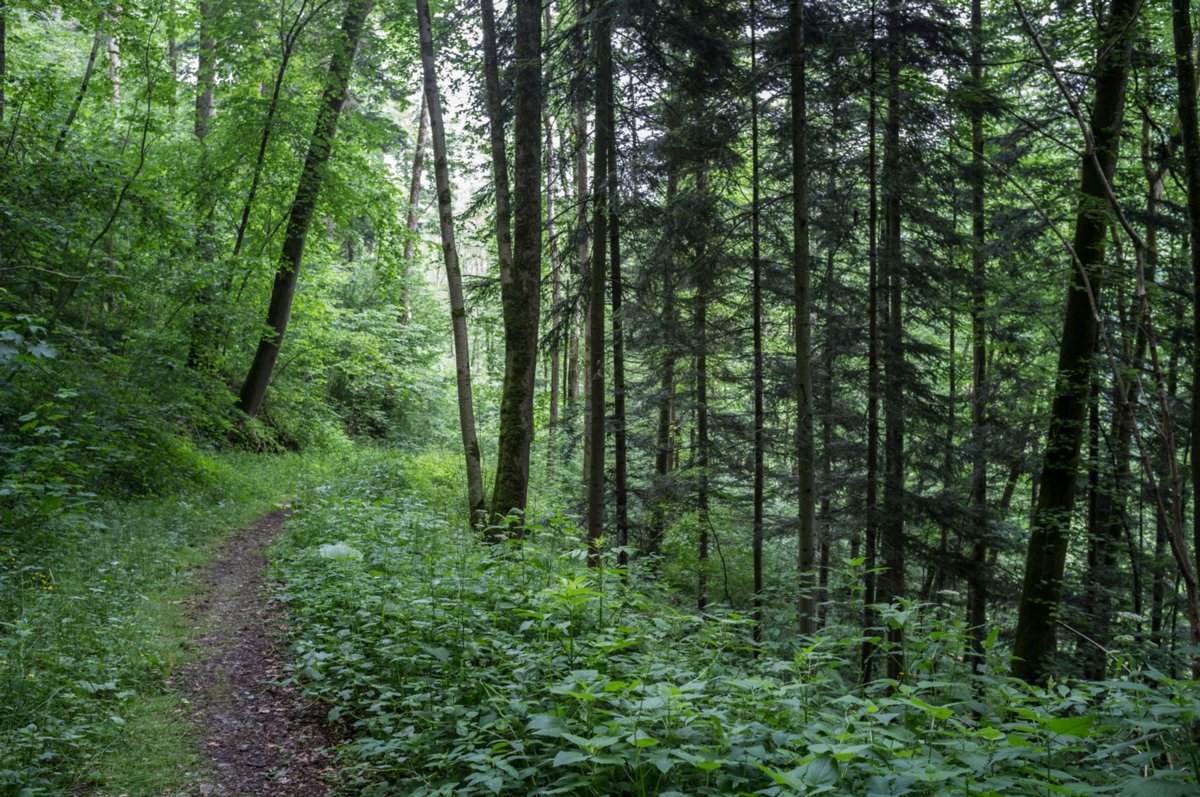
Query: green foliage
{"x": 91, "y": 624}
{"x": 459, "y": 669}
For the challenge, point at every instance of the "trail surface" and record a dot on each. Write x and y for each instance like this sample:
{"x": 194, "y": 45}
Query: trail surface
{"x": 260, "y": 737}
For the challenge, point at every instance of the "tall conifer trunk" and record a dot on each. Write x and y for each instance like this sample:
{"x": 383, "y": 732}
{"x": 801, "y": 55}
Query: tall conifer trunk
{"x": 892, "y": 543}
{"x": 871, "y": 525}
{"x": 977, "y": 581}
{"x": 556, "y": 327}
{"x": 805, "y": 448}
{"x": 3, "y": 56}
{"x": 757, "y": 326}
{"x": 1185, "y": 69}
{"x": 595, "y": 445}
{"x": 320, "y": 146}
{"x": 620, "y": 454}
{"x": 458, "y": 312}
{"x": 1045, "y": 562}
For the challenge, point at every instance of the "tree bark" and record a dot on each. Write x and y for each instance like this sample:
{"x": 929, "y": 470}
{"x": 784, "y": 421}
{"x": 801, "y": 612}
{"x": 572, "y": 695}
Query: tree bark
{"x": 3, "y": 56}
{"x": 801, "y": 285}
{"x": 620, "y": 452}
{"x": 414, "y": 200}
{"x": 556, "y": 327}
{"x": 458, "y": 312}
{"x": 495, "y": 112}
{"x": 65, "y": 130}
{"x": 700, "y": 333}
{"x": 320, "y": 146}
{"x": 520, "y": 292}
{"x": 757, "y": 331}
{"x": 1185, "y": 70}
{"x": 112, "y": 49}
{"x": 977, "y": 581}
{"x": 1041, "y": 594}
{"x": 602, "y": 32}
{"x": 871, "y": 524}
{"x": 204, "y": 325}
{"x": 288, "y": 43}
{"x": 665, "y": 432}
{"x": 892, "y": 580}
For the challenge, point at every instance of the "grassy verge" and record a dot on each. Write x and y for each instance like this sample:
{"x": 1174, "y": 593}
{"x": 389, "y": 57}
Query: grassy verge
{"x": 92, "y": 624}
{"x": 462, "y": 670}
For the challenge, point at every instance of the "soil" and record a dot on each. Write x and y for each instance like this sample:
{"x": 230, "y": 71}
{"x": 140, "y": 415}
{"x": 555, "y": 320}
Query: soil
{"x": 260, "y": 737}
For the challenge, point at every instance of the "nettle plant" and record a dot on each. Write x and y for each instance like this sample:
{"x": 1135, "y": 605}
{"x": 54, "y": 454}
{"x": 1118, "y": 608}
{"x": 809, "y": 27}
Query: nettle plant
{"x": 459, "y": 668}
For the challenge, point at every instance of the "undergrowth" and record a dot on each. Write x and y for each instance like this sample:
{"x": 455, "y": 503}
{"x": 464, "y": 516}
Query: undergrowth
{"x": 460, "y": 669}
{"x": 92, "y": 623}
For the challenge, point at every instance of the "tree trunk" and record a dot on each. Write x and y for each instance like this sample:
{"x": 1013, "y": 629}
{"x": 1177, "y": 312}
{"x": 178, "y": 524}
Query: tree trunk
{"x": 620, "y": 453}
{"x": 801, "y": 286}
{"x": 1185, "y": 70}
{"x": 757, "y": 327}
{"x": 320, "y": 146}
{"x": 520, "y": 292}
{"x": 664, "y": 455}
{"x": 583, "y": 263}
{"x": 1041, "y": 593}
{"x": 112, "y": 49}
{"x": 892, "y": 580}
{"x": 458, "y": 312}
{"x": 556, "y": 326}
{"x": 172, "y": 51}
{"x": 65, "y": 130}
{"x": 414, "y": 201}
{"x": 3, "y": 55}
{"x": 595, "y": 452}
{"x": 204, "y": 325}
{"x": 285, "y": 55}
{"x": 871, "y": 524}
{"x": 495, "y": 112}
{"x": 700, "y": 332}
{"x": 977, "y": 581}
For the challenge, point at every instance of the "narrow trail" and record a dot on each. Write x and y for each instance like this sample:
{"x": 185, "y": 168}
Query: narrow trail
{"x": 259, "y": 737}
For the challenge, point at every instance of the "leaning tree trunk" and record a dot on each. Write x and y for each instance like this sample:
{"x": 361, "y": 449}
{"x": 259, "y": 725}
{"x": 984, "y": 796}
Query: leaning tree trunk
{"x": 458, "y": 312}
{"x": 1045, "y": 562}
{"x": 520, "y": 291}
{"x": 595, "y": 366}
{"x": 65, "y": 130}
{"x": 802, "y": 279}
{"x": 320, "y": 146}
{"x": 414, "y": 199}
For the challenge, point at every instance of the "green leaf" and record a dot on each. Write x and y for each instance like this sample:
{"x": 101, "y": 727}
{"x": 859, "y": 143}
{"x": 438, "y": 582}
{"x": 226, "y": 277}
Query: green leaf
{"x": 568, "y": 757}
{"x": 1079, "y": 727}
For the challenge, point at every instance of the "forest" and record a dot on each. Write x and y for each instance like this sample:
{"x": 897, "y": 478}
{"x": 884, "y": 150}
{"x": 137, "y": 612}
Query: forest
{"x": 599, "y": 397}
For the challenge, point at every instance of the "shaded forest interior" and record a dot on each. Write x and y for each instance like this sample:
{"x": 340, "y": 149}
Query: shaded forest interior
{"x": 848, "y": 343}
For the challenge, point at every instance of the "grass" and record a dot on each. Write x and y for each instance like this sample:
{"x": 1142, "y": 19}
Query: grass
{"x": 92, "y": 623}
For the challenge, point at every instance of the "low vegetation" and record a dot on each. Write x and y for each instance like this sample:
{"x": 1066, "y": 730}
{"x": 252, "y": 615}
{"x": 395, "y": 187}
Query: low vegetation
{"x": 92, "y": 624}
{"x": 458, "y": 669}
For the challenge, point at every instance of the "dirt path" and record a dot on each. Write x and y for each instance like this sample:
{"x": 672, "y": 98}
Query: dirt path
{"x": 260, "y": 738}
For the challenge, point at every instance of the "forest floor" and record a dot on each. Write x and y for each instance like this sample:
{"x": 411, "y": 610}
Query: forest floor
{"x": 259, "y": 736}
